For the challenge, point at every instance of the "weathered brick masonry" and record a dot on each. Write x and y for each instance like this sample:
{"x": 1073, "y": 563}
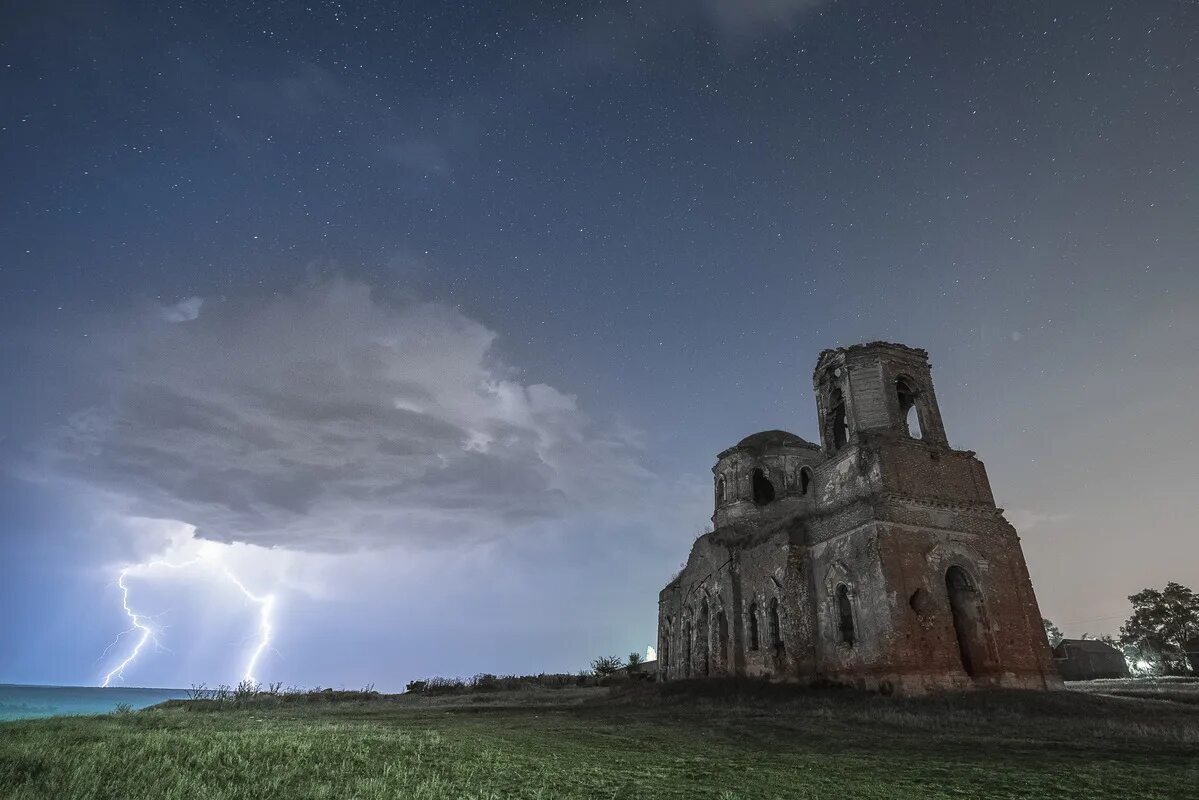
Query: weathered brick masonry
{"x": 876, "y": 559}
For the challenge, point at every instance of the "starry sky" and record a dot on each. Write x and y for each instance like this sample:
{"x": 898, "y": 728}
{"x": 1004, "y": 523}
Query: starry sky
{"x": 428, "y": 319}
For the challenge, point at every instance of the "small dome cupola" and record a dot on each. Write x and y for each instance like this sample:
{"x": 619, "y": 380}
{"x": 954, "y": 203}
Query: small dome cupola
{"x": 760, "y": 470}
{"x": 767, "y": 440}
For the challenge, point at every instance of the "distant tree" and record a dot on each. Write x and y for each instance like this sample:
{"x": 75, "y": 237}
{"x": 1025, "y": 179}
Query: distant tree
{"x": 606, "y": 665}
{"x": 1139, "y": 664}
{"x": 1052, "y": 632}
{"x": 634, "y": 661}
{"x": 1164, "y": 626}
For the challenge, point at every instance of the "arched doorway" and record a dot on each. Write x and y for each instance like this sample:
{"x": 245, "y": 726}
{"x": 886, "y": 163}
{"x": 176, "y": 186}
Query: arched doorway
{"x": 969, "y": 619}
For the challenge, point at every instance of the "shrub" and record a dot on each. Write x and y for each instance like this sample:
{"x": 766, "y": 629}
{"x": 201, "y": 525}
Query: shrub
{"x": 606, "y": 665}
{"x": 246, "y": 689}
{"x": 444, "y": 685}
{"x": 486, "y": 682}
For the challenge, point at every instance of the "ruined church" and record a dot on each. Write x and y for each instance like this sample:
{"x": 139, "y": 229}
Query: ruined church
{"x": 876, "y": 559}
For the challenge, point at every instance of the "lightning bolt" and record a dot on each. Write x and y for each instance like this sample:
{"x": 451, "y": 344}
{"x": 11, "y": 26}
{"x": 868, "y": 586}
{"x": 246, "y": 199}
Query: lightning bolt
{"x": 139, "y": 622}
{"x": 135, "y": 619}
{"x": 266, "y": 604}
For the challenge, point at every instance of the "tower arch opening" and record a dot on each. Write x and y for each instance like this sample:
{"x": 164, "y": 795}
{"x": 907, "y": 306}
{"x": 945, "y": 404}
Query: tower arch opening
{"x": 838, "y": 426}
{"x": 909, "y": 414}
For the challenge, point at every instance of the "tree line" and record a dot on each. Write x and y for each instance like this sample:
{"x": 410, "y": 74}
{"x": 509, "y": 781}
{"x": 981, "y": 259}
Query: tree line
{"x": 1162, "y": 635}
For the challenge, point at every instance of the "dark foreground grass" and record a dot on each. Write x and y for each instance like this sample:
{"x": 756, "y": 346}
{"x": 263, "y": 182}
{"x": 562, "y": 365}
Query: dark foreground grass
{"x": 697, "y": 741}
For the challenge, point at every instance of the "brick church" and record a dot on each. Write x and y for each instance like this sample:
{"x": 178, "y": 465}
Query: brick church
{"x": 876, "y": 559}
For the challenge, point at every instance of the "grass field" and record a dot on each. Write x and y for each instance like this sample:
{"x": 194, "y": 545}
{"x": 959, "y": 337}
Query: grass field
{"x": 678, "y": 741}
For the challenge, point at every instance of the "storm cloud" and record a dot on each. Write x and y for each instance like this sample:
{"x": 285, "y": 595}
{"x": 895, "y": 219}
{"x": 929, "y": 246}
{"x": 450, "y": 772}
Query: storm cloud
{"x": 328, "y": 420}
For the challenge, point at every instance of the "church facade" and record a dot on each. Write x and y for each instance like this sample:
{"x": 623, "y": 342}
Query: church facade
{"x": 877, "y": 558}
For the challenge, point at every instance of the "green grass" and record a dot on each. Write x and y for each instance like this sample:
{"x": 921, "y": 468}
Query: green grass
{"x": 697, "y": 741}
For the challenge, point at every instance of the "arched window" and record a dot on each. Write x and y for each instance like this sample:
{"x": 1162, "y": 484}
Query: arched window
{"x": 763, "y": 488}
{"x": 703, "y": 635}
{"x": 905, "y": 393}
{"x": 805, "y": 480}
{"x": 687, "y": 649}
{"x": 839, "y": 428}
{"x": 753, "y": 626}
{"x": 845, "y": 613}
{"x": 720, "y": 491}
{"x": 776, "y": 633}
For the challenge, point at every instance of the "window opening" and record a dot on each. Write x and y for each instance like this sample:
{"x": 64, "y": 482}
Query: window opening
{"x": 906, "y": 394}
{"x": 840, "y": 428}
{"x": 845, "y": 611}
{"x": 763, "y": 488}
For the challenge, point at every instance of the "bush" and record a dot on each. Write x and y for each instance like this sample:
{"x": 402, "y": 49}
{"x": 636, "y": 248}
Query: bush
{"x": 606, "y": 665}
{"x": 486, "y": 682}
{"x": 444, "y": 685}
{"x": 246, "y": 689}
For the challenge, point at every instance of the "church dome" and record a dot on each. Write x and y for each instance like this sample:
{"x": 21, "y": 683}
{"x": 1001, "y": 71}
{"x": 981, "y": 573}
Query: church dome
{"x": 768, "y": 440}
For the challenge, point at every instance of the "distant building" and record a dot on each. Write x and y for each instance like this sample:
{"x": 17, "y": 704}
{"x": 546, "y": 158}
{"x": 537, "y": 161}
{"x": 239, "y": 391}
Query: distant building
{"x": 876, "y": 558}
{"x": 1085, "y": 659}
{"x": 646, "y": 669}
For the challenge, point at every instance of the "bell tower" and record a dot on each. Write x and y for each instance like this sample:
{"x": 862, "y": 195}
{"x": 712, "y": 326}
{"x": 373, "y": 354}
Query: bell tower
{"x": 876, "y": 390}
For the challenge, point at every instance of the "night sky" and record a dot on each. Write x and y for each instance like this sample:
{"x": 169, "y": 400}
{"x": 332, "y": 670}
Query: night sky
{"x": 429, "y": 319}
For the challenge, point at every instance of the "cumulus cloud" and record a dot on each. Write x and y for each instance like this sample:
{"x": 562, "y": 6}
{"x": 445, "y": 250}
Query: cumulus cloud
{"x": 185, "y": 310}
{"x": 328, "y": 420}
